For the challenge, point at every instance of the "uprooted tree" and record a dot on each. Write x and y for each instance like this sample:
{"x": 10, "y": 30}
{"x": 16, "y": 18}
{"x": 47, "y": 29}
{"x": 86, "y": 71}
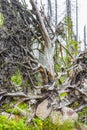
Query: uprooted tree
{"x": 26, "y": 33}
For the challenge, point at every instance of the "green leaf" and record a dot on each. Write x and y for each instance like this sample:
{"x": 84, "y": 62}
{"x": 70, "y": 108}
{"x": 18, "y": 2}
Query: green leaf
{"x": 1, "y": 19}
{"x": 64, "y": 94}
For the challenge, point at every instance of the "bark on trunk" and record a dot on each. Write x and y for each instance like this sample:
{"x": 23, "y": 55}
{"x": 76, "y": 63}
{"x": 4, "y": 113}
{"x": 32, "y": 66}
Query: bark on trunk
{"x": 48, "y": 59}
{"x": 48, "y": 45}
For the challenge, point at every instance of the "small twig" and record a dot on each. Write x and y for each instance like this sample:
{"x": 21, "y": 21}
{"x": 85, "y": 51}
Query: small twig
{"x": 31, "y": 80}
{"x": 81, "y": 107}
{"x": 3, "y": 50}
{"x": 17, "y": 94}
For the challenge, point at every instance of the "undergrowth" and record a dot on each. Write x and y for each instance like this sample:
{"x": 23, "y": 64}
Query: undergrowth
{"x": 36, "y": 124}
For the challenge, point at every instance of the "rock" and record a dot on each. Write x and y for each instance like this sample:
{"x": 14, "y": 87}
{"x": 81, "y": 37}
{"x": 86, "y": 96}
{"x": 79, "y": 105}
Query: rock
{"x": 63, "y": 115}
{"x": 8, "y": 115}
{"x": 11, "y": 116}
{"x": 83, "y": 127}
{"x": 43, "y": 110}
{"x": 56, "y": 117}
{"x": 69, "y": 114}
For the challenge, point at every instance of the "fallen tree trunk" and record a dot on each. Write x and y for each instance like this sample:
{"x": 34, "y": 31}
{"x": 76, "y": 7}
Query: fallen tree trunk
{"x": 20, "y": 30}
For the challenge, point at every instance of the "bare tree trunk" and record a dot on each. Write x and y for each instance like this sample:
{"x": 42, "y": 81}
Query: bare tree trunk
{"x": 56, "y": 12}
{"x": 49, "y": 9}
{"x": 85, "y": 37}
{"x": 48, "y": 58}
{"x": 68, "y": 13}
{"x": 48, "y": 45}
{"x": 76, "y": 20}
{"x": 68, "y": 7}
{"x": 36, "y": 1}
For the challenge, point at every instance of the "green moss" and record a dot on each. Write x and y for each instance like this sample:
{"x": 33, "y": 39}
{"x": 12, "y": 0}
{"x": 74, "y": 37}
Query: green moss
{"x": 16, "y": 112}
{"x": 6, "y": 124}
{"x": 16, "y": 79}
{"x": 67, "y": 125}
{"x": 36, "y": 124}
{"x": 22, "y": 106}
{"x": 39, "y": 124}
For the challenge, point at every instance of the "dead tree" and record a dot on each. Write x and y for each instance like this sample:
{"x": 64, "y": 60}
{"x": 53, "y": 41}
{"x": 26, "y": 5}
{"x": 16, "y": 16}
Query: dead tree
{"x": 68, "y": 8}
{"x": 85, "y": 44}
{"x": 20, "y": 30}
{"x": 77, "y": 20}
{"x": 49, "y": 10}
{"x": 56, "y": 12}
